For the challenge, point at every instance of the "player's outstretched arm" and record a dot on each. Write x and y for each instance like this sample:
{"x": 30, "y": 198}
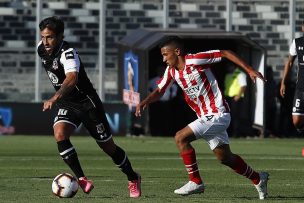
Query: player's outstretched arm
{"x": 230, "y": 55}
{"x": 67, "y": 86}
{"x": 152, "y": 97}
{"x": 287, "y": 68}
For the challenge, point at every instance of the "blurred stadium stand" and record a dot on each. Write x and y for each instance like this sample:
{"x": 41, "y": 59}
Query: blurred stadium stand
{"x": 266, "y": 22}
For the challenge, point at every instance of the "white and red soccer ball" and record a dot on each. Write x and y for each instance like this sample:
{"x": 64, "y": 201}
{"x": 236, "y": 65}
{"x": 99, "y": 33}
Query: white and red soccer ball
{"x": 65, "y": 185}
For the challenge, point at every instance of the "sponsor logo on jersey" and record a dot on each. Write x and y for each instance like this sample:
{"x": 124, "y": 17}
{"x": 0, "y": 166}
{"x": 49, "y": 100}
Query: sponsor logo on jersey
{"x": 301, "y": 48}
{"x": 69, "y": 55}
{"x": 192, "y": 91}
{"x": 55, "y": 64}
{"x": 54, "y": 79}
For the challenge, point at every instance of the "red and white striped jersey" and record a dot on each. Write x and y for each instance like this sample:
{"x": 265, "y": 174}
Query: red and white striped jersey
{"x": 200, "y": 87}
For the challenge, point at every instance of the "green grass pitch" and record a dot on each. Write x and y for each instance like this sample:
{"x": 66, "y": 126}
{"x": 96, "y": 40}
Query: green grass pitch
{"x": 29, "y": 163}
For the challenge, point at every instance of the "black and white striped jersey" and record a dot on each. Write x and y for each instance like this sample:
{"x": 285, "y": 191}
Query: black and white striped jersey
{"x": 63, "y": 60}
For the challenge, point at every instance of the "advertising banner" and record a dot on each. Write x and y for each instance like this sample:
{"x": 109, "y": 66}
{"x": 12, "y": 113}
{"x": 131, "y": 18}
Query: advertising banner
{"x": 29, "y": 119}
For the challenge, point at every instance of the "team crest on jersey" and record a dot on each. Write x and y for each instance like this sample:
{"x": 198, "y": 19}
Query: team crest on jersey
{"x": 53, "y": 77}
{"x": 55, "y": 64}
{"x": 100, "y": 128}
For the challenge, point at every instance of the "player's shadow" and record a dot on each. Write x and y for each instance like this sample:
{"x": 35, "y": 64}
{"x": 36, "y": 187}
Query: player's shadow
{"x": 278, "y": 198}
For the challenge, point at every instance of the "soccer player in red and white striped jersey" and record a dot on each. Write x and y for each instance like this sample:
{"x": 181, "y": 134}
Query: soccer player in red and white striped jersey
{"x": 193, "y": 74}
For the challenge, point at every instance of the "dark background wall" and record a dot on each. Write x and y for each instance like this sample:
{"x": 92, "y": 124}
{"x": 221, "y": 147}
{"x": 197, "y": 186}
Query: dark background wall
{"x": 29, "y": 119}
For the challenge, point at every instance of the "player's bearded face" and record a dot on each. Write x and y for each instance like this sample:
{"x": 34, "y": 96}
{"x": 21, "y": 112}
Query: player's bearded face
{"x": 170, "y": 56}
{"x": 49, "y": 40}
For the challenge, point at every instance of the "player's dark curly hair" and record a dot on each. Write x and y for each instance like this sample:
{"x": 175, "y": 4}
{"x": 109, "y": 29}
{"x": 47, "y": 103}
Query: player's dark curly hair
{"x": 174, "y": 40}
{"x": 53, "y": 23}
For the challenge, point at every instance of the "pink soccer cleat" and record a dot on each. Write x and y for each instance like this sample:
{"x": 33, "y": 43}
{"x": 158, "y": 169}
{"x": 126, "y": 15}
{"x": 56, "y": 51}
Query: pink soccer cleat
{"x": 134, "y": 187}
{"x": 85, "y": 184}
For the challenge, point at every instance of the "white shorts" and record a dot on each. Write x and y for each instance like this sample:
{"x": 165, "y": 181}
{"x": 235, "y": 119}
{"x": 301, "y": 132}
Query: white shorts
{"x": 212, "y": 128}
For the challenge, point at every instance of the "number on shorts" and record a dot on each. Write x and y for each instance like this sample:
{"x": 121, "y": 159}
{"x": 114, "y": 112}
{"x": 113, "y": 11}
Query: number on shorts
{"x": 297, "y": 102}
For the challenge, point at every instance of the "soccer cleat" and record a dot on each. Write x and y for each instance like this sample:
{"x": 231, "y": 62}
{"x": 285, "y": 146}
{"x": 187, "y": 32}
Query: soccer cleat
{"x": 85, "y": 184}
{"x": 262, "y": 186}
{"x": 135, "y": 187}
{"x": 190, "y": 188}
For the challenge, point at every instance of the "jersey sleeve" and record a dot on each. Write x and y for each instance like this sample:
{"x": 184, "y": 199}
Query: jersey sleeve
{"x": 70, "y": 61}
{"x": 292, "y": 48}
{"x": 203, "y": 58}
{"x": 166, "y": 81}
{"x": 242, "y": 79}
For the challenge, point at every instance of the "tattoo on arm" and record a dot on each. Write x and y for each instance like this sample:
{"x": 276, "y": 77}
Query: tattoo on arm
{"x": 67, "y": 86}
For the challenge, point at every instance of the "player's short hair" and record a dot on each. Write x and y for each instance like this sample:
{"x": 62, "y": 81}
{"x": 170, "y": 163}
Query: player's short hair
{"x": 53, "y": 23}
{"x": 174, "y": 40}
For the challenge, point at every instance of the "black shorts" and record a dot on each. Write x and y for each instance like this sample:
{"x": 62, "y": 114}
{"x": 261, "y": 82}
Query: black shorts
{"x": 298, "y": 103}
{"x": 90, "y": 113}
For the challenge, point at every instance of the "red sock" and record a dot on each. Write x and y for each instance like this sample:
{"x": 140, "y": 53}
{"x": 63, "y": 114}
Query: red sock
{"x": 244, "y": 169}
{"x": 189, "y": 159}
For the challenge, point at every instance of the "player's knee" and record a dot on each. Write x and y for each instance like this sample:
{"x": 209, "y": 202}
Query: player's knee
{"x": 299, "y": 126}
{"x": 298, "y": 123}
{"x": 59, "y": 136}
{"x": 180, "y": 139}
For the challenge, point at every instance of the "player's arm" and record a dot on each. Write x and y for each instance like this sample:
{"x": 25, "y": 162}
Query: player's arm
{"x": 152, "y": 97}
{"x": 231, "y": 56}
{"x": 287, "y": 68}
{"x": 67, "y": 86}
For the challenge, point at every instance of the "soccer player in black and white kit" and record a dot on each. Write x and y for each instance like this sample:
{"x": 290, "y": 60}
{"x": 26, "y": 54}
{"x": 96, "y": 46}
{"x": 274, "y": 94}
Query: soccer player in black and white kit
{"x": 296, "y": 49}
{"x": 77, "y": 103}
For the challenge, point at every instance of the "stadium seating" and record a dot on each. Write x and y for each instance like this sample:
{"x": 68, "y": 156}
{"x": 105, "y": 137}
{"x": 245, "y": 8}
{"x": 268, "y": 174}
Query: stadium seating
{"x": 266, "y": 22}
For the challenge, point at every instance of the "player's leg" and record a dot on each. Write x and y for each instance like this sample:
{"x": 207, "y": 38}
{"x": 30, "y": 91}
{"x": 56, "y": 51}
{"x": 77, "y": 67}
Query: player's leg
{"x": 121, "y": 160}
{"x": 97, "y": 124}
{"x": 65, "y": 124}
{"x": 298, "y": 122}
{"x": 235, "y": 162}
{"x": 183, "y": 138}
{"x": 298, "y": 111}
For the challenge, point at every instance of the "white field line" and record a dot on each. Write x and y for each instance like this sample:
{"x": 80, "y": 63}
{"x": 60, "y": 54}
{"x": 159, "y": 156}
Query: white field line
{"x": 23, "y": 158}
{"x": 148, "y": 168}
{"x": 293, "y": 185}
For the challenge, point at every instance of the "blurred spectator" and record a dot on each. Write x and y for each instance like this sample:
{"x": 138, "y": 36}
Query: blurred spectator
{"x": 235, "y": 85}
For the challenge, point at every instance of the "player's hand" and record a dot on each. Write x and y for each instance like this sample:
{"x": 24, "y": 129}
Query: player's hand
{"x": 138, "y": 109}
{"x": 255, "y": 74}
{"x": 48, "y": 104}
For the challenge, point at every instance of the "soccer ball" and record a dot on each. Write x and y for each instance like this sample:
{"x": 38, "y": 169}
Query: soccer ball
{"x": 65, "y": 185}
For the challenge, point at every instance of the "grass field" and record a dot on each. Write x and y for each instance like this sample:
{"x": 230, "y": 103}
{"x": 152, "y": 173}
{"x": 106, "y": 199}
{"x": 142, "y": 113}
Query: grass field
{"x": 29, "y": 163}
